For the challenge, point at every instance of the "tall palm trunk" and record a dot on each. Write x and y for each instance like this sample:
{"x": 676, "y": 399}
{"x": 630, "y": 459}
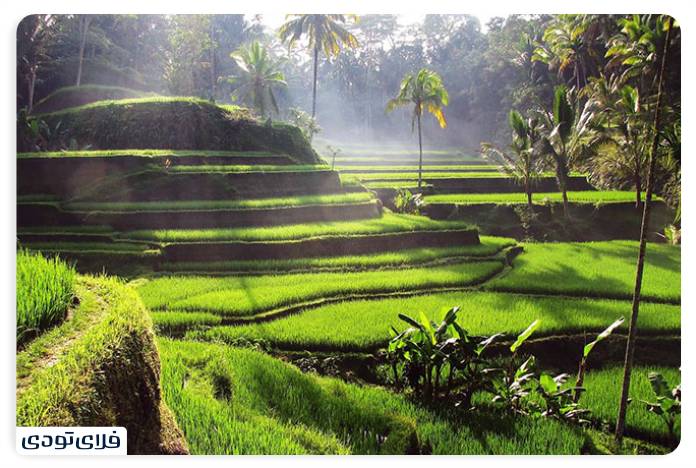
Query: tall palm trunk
{"x": 31, "y": 86}
{"x": 638, "y": 182}
{"x": 632, "y": 329}
{"x": 562, "y": 180}
{"x": 528, "y": 191}
{"x": 420, "y": 150}
{"x": 84, "y": 27}
{"x": 314, "y": 86}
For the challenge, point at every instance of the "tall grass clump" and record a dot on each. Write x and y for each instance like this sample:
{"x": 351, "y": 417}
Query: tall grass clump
{"x": 44, "y": 289}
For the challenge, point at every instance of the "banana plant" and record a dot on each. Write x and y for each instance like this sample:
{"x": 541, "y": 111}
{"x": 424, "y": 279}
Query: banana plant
{"x": 515, "y": 383}
{"x": 427, "y": 351}
{"x": 559, "y": 402}
{"x": 667, "y": 404}
{"x": 586, "y": 352}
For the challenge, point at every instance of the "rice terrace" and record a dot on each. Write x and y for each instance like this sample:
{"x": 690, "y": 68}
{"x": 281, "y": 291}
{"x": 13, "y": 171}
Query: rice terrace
{"x": 332, "y": 234}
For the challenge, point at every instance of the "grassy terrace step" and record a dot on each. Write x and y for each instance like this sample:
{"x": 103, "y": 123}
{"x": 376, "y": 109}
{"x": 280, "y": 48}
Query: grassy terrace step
{"x": 388, "y": 223}
{"x": 436, "y": 175}
{"x": 427, "y": 162}
{"x": 242, "y": 296}
{"x": 162, "y": 184}
{"x": 36, "y": 172}
{"x": 204, "y": 213}
{"x": 102, "y": 360}
{"x": 134, "y": 159}
{"x": 389, "y": 232}
{"x": 274, "y": 408}
{"x": 594, "y": 269}
{"x": 237, "y": 168}
{"x": 388, "y": 169}
{"x": 489, "y": 246}
{"x": 588, "y": 196}
{"x": 501, "y": 184}
{"x": 206, "y": 205}
{"x": 365, "y": 324}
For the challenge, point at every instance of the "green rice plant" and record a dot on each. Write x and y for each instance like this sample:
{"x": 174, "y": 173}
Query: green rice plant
{"x": 239, "y": 401}
{"x": 388, "y": 223}
{"x": 603, "y": 390}
{"x": 489, "y": 246}
{"x": 227, "y": 168}
{"x": 355, "y": 168}
{"x": 433, "y": 176}
{"x": 206, "y": 205}
{"x": 94, "y": 247}
{"x": 248, "y": 295}
{"x": 395, "y": 184}
{"x": 176, "y": 321}
{"x": 45, "y": 288}
{"x": 588, "y": 196}
{"x": 366, "y": 324}
{"x": 113, "y": 326}
{"x": 594, "y": 269}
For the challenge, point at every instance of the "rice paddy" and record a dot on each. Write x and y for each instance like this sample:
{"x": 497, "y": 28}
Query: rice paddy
{"x": 248, "y": 295}
{"x": 260, "y": 405}
{"x": 229, "y": 399}
{"x": 594, "y": 269}
{"x": 365, "y": 324}
{"x": 45, "y": 289}
{"x": 203, "y": 205}
{"x": 388, "y": 223}
{"x": 589, "y": 196}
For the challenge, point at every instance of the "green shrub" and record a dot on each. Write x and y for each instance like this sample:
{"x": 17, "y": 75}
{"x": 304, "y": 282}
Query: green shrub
{"x": 44, "y": 291}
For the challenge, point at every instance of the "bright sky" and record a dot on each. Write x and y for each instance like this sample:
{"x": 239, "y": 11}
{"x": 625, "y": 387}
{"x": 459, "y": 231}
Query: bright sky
{"x": 274, "y": 20}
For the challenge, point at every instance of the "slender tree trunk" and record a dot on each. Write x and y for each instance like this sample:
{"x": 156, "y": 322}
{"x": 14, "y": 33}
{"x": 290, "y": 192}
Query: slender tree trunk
{"x": 420, "y": 151}
{"x": 314, "y": 85}
{"x": 528, "y": 191}
{"x": 638, "y": 183}
{"x": 31, "y": 86}
{"x": 632, "y": 329}
{"x": 84, "y": 27}
{"x": 213, "y": 71}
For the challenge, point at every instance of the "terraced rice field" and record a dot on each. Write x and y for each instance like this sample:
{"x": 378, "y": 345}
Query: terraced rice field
{"x": 613, "y": 196}
{"x": 339, "y": 303}
{"x": 388, "y": 223}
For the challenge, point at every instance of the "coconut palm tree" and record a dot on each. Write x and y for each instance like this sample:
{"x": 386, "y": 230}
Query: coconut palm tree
{"x": 257, "y": 78}
{"x": 325, "y": 33}
{"x": 524, "y": 163}
{"x": 567, "y": 134}
{"x": 625, "y": 134}
{"x": 569, "y": 46}
{"x": 423, "y": 90}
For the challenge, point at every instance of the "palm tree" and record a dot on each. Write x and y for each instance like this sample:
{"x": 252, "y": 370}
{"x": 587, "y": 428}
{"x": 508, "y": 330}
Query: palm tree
{"x": 524, "y": 164}
{"x": 324, "y": 33}
{"x": 257, "y": 77}
{"x": 568, "y": 44}
{"x": 423, "y": 90}
{"x": 625, "y": 135}
{"x": 567, "y": 134}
